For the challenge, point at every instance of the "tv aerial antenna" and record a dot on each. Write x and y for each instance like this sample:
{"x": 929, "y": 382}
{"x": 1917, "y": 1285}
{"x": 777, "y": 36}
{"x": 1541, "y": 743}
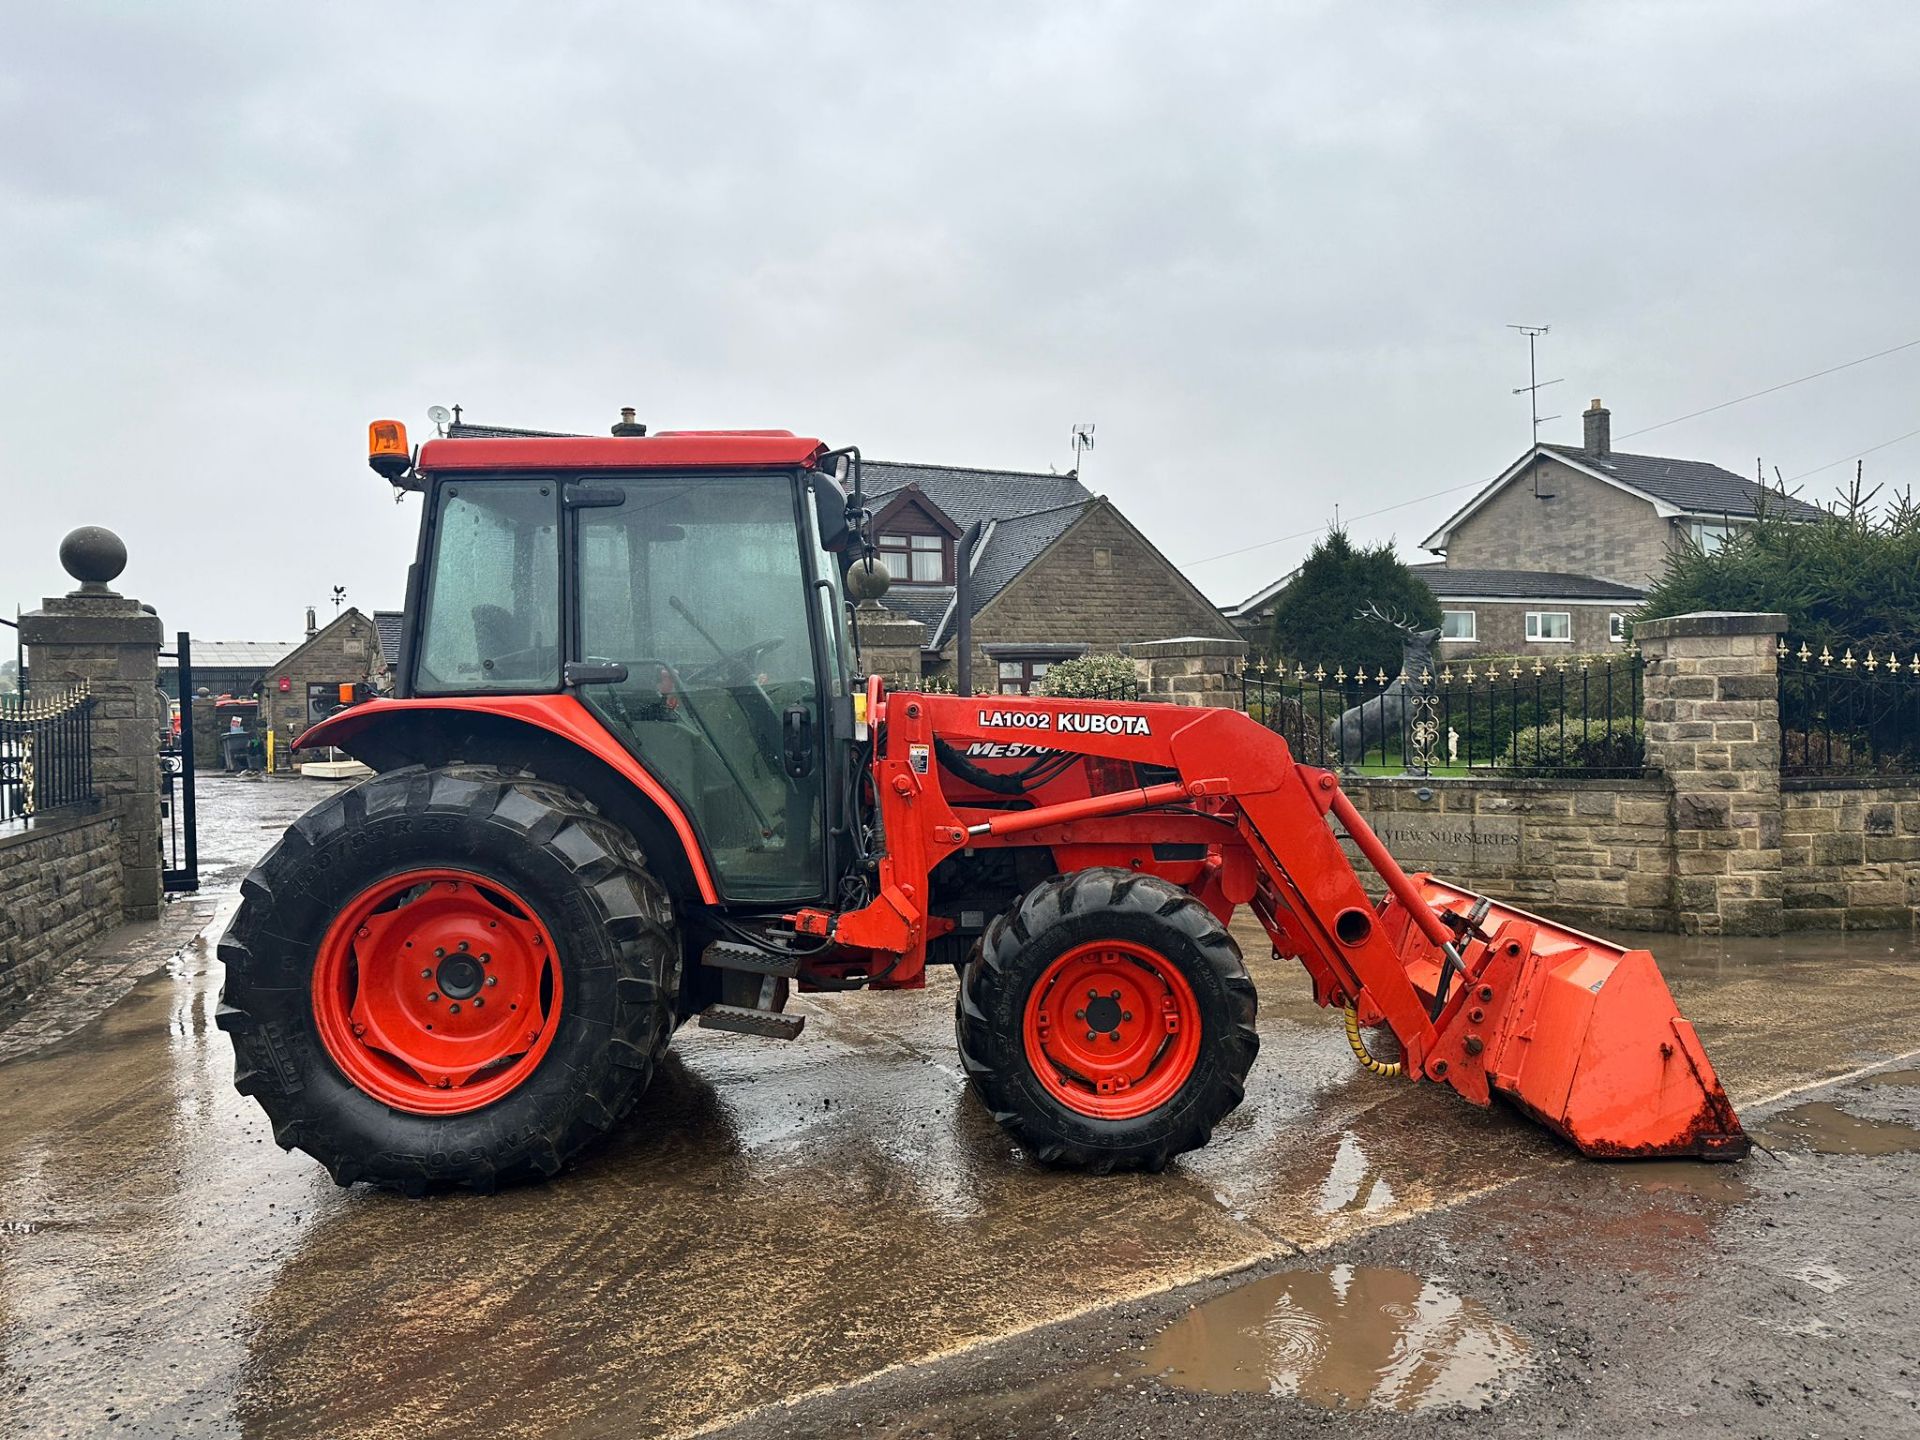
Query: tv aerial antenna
{"x": 1082, "y": 443}
{"x": 1532, "y": 390}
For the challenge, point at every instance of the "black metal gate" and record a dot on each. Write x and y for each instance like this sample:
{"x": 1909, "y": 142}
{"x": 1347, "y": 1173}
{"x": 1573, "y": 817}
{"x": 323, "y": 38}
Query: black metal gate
{"x": 179, "y": 842}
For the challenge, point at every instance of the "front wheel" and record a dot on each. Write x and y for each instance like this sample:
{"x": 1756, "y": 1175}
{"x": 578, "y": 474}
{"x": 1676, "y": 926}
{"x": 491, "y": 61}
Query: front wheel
{"x": 449, "y": 976}
{"x": 1107, "y": 1021}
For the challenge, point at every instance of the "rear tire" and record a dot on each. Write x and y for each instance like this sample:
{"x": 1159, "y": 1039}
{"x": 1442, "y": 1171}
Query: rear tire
{"x": 1107, "y": 1021}
{"x": 380, "y": 879}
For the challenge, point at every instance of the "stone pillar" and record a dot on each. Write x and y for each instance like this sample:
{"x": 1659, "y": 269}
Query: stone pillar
{"x": 1713, "y": 728}
{"x": 1191, "y": 670}
{"x": 890, "y": 644}
{"x": 113, "y": 644}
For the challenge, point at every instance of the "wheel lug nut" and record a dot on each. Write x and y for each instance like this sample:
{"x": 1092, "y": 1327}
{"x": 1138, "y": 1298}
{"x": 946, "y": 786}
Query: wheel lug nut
{"x": 1116, "y": 995}
{"x": 1126, "y": 1014}
{"x": 426, "y": 974}
{"x": 478, "y": 1001}
{"x": 463, "y": 945}
{"x": 1079, "y": 1014}
{"x": 433, "y": 994}
{"x": 492, "y": 980}
{"x": 1115, "y": 1037}
{"x": 485, "y": 959}
{"x": 439, "y": 952}
{"x": 1093, "y": 994}
{"x": 453, "y": 1009}
{"x": 1089, "y": 1034}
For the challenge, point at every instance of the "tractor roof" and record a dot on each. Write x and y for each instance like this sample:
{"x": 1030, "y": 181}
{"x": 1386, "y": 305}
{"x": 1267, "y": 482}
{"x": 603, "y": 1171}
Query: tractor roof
{"x": 670, "y": 449}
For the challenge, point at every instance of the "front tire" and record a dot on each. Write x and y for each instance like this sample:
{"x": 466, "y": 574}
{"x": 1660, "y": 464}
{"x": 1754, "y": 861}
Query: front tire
{"x": 371, "y": 942}
{"x": 1107, "y": 1021}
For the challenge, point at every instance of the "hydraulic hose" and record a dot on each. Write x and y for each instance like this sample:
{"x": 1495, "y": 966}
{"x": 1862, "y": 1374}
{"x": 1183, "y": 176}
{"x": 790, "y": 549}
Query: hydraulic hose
{"x": 1388, "y": 1069}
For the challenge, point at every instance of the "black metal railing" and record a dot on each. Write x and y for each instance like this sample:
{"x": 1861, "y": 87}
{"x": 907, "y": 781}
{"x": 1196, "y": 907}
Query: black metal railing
{"x": 1576, "y": 715}
{"x": 46, "y": 755}
{"x": 1848, "y": 714}
{"x": 180, "y": 843}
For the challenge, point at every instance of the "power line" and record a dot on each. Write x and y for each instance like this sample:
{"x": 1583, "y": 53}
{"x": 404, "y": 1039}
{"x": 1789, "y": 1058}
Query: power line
{"x": 1365, "y": 515}
{"x": 1854, "y": 455}
{"x": 1692, "y": 415}
{"x": 1771, "y": 389}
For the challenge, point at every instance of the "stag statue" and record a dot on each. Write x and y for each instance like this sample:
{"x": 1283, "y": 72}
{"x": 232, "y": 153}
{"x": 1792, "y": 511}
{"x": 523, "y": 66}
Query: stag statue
{"x": 1370, "y": 725}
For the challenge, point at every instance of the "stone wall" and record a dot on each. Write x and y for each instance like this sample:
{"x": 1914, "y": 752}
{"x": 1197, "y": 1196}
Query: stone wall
{"x": 113, "y": 644}
{"x": 1188, "y": 671}
{"x": 61, "y": 882}
{"x": 1713, "y": 730}
{"x": 1594, "y": 853}
{"x": 890, "y": 644}
{"x": 1850, "y": 856}
{"x": 1711, "y": 841}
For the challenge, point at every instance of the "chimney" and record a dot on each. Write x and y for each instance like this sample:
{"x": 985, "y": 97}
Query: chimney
{"x": 1599, "y": 429}
{"x": 628, "y": 426}
{"x": 313, "y": 625}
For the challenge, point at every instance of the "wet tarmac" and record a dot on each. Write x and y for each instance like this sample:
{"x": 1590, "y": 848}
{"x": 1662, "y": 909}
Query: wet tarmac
{"x": 776, "y": 1221}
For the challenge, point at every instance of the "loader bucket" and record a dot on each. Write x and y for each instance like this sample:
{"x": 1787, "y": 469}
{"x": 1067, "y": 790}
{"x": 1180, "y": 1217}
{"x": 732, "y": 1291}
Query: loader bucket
{"x": 1581, "y": 1034}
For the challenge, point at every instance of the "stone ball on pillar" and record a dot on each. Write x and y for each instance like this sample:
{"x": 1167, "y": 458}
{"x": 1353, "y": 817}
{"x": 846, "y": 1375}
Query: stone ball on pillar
{"x": 94, "y": 556}
{"x": 867, "y": 579}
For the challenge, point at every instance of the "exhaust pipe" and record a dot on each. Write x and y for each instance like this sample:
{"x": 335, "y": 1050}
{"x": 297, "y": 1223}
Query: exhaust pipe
{"x": 963, "y": 607}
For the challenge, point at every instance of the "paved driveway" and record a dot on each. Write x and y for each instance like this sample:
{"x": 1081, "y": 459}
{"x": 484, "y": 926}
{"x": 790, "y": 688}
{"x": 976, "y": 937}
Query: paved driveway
{"x": 774, "y": 1221}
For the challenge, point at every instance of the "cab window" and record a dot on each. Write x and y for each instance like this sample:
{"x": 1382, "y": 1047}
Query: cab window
{"x": 492, "y": 604}
{"x": 697, "y": 588}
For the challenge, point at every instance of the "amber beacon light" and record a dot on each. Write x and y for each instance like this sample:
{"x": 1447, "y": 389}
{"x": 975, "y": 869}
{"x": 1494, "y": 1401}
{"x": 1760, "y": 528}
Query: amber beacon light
{"x": 387, "y": 450}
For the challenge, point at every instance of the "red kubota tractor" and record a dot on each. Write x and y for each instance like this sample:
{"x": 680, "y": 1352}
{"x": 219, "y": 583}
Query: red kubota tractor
{"x": 632, "y": 776}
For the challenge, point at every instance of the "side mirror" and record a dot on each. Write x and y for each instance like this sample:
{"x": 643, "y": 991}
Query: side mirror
{"x": 830, "y": 512}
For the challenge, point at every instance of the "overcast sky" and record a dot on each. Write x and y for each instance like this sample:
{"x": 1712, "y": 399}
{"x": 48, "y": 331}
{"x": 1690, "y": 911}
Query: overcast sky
{"x": 1269, "y": 250}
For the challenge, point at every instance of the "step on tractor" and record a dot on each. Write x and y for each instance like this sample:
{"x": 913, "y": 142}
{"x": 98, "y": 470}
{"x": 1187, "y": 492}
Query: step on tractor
{"x": 632, "y": 774}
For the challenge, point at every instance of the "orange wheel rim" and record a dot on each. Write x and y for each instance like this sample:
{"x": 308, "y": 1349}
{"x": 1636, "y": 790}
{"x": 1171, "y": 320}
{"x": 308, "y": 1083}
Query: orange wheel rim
{"x": 437, "y": 991}
{"x": 1112, "y": 1029}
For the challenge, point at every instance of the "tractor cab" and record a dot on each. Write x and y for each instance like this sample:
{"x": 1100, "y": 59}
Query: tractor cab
{"x": 681, "y": 587}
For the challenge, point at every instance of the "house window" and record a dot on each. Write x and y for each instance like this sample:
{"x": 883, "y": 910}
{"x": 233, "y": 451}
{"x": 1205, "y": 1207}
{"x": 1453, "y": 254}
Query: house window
{"x": 1710, "y": 535}
{"x": 1458, "y": 625}
{"x": 1022, "y": 677}
{"x": 916, "y": 559}
{"x": 1617, "y": 628}
{"x": 1549, "y": 625}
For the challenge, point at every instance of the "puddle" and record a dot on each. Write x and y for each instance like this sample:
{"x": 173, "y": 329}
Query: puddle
{"x": 1346, "y": 1338}
{"x": 1826, "y": 1129}
{"x": 1896, "y": 1079}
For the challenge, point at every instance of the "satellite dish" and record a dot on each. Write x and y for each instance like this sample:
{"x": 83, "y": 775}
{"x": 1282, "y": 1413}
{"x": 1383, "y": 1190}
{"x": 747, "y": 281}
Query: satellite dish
{"x": 439, "y": 415}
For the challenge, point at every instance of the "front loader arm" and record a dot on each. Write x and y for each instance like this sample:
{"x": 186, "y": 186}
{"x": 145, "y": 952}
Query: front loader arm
{"x": 1483, "y": 998}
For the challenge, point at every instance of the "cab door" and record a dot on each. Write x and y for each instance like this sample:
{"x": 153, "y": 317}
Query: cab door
{"x": 698, "y": 587}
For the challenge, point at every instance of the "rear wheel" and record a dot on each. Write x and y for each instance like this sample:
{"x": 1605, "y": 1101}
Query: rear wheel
{"x": 449, "y": 976}
{"x": 1107, "y": 1020}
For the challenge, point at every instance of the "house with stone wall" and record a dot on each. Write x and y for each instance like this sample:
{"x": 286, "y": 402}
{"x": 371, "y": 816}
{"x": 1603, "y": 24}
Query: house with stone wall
{"x": 1057, "y": 572}
{"x": 1591, "y": 510}
{"x": 303, "y": 686}
{"x": 1554, "y": 555}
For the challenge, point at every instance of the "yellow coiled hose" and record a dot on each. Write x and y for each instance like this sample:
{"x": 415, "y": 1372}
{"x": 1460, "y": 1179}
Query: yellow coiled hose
{"x": 1387, "y": 1068}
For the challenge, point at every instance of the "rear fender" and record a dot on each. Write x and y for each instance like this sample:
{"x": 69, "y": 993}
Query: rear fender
{"x": 555, "y": 737}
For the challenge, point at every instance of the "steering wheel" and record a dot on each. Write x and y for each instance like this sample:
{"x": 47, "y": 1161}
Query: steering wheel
{"x": 732, "y": 664}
